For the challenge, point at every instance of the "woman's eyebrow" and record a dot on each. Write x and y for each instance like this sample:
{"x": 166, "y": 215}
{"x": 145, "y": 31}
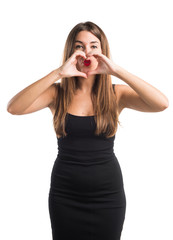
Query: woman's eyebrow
{"x": 78, "y": 41}
{"x": 94, "y": 42}
{"x": 82, "y": 42}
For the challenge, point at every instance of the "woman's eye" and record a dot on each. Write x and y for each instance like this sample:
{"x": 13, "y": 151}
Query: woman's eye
{"x": 94, "y": 46}
{"x": 78, "y": 46}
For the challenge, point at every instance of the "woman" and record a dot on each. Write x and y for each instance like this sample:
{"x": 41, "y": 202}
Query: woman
{"x": 87, "y": 199}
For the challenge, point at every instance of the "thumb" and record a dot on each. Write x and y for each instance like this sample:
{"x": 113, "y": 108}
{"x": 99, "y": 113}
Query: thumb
{"x": 81, "y": 74}
{"x": 92, "y": 72}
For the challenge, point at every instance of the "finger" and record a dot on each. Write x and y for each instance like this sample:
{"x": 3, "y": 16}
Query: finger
{"x": 81, "y": 74}
{"x": 89, "y": 73}
{"x": 80, "y": 54}
{"x": 74, "y": 59}
{"x": 100, "y": 57}
{"x": 76, "y": 55}
{"x": 94, "y": 54}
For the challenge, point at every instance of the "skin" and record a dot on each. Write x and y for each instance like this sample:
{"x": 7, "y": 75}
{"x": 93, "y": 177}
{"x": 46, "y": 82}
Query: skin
{"x": 137, "y": 94}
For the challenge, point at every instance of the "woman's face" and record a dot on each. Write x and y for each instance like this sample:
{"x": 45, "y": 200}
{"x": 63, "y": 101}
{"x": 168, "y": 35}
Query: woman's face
{"x": 88, "y": 43}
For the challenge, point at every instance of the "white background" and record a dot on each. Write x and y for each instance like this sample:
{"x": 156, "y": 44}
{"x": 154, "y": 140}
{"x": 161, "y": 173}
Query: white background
{"x": 33, "y": 34}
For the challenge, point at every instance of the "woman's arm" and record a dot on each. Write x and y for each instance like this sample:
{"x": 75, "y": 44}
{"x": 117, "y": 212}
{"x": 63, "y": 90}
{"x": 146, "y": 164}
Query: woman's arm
{"x": 139, "y": 95}
{"x": 36, "y": 96}
{"x": 42, "y": 93}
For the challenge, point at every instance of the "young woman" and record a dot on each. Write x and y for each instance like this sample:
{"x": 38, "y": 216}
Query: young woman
{"x": 87, "y": 199}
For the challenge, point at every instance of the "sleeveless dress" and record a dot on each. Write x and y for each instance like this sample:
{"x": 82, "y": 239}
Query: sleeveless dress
{"x": 86, "y": 199}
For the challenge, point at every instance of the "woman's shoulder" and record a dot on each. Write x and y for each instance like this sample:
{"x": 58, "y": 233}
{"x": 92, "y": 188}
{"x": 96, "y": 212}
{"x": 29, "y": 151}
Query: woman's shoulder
{"x": 118, "y": 89}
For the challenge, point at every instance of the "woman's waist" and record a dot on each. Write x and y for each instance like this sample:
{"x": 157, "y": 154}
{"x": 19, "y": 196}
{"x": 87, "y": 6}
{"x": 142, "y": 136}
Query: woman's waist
{"x": 85, "y": 157}
{"x": 86, "y": 144}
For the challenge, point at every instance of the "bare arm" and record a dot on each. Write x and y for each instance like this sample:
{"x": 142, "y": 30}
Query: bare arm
{"x": 42, "y": 93}
{"x": 139, "y": 95}
{"x": 36, "y": 96}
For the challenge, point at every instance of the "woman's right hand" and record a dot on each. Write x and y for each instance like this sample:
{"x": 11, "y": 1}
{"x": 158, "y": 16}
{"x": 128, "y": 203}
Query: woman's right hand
{"x": 69, "y": 69}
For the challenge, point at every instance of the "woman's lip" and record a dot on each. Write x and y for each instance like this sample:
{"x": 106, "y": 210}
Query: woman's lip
{"x": 87, "y": 62}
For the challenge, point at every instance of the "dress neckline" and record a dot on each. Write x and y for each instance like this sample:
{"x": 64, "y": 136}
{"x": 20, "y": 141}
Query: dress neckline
{"x": 79, "y": 116}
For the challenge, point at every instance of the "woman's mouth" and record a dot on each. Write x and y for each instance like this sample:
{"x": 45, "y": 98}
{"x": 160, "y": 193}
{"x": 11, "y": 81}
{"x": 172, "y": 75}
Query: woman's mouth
{"x": 87, "y": 62}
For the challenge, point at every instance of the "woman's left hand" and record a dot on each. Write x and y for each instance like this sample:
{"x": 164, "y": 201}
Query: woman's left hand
{"x": 105, "y": 65}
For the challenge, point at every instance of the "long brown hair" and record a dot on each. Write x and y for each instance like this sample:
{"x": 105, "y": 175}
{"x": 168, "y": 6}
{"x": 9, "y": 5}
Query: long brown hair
{"x": 102, "y": 96}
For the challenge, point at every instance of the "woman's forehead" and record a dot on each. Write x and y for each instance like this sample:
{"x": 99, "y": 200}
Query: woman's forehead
{"x": 86, "y": 37}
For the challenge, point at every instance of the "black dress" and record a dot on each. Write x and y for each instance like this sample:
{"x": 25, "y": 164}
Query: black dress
{"x": 86, "y": 199}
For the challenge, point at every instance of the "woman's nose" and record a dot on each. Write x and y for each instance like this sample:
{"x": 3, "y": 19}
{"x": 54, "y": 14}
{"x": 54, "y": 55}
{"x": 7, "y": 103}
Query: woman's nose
{"x": 87, "y": 50}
